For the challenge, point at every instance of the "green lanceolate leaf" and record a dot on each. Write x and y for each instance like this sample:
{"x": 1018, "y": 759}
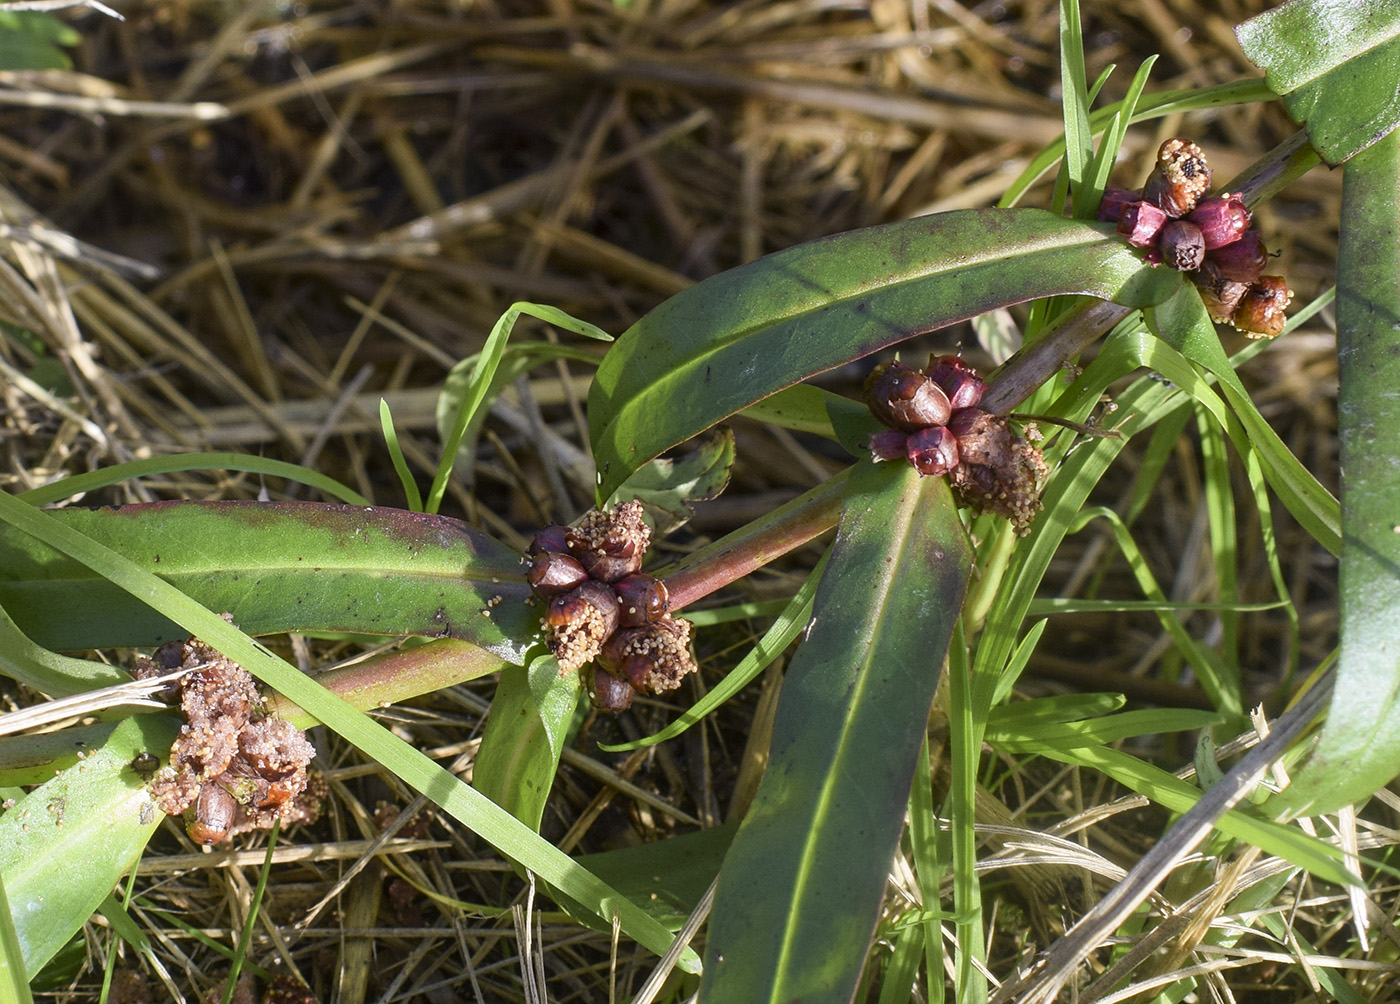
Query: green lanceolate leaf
{"x": 1360, "y": 749}
{"x": 275, "y": 566}
{"x": 800, "y": 888}
{"x": 742, "y": 335}
{"x": 1335, "y": 63}
{"x": 63, "y": 847}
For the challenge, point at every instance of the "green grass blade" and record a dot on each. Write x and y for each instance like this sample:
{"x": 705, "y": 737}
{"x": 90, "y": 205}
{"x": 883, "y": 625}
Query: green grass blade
{"x": 391, "y": 440}
{"x": 116, "y": 474}
{"x": 483, "y": 373}
{"x": 800, "y": 888}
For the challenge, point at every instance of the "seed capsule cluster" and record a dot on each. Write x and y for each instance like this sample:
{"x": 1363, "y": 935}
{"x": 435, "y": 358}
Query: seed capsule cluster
{"x": 233, "y": 767}
{"x": 937, "y": 426}
{"x": 603, "y": 609}
{"x": 1208, "y": 237}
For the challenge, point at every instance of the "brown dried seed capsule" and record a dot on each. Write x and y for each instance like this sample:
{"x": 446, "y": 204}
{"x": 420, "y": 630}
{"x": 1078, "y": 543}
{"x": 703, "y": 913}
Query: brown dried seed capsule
{"x": 1182, "y": 246}
{"x": 1261, "y": 309}
{"x": 577, "y": 623}
{"x": 998, "y": 470}
{"x": 1220, "y": 295}
{"x": 1141, "y": 223}
{"x": 1241, "y": 261}
{"x": 610, "y": 544}
{"x": 609, "y": 693}
{"x": 553, "y": 574}
{"x": 888, "y": 444}
{"x": 904, "y": 398}
{"x": 933, "y": 451}
{"x": 641, "y": 598}
{"x": 1222, "y": 218}
{"x": 958, "y": 380}
{"x": 1115, "y": 200}
{"x": 214, "y": 814}
{"x": 551, "y": 538}
{"x": 1179, "y": 179}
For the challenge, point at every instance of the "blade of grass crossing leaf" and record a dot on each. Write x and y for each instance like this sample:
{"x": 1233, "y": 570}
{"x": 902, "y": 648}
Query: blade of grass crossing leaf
{"x": 966, "y": 722}
{"x": 78, "y": 484}
{"x": 391, "y": 440}
{"x": 483, "y": 372}
{"x": 1160, "y": 450}
{"x": 929, "y": 867}
{"x": 1219, "y": 498}
{"x": 459, "y": 800}
{"x": 1254, "y": 475}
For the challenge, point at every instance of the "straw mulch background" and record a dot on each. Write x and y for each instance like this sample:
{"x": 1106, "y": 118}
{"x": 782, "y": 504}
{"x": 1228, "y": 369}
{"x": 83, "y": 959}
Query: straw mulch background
{"x": 289, "y": 211}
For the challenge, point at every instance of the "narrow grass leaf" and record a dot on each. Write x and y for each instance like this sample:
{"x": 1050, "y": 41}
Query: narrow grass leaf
{"x": 391, "y": 440}
{"x": 14, "y": 980}
{"x": 800, "y": 889}
{"x": 80, "y": 484}
{"x": 484, "y": 371}
{"x": 1360, "y": 747}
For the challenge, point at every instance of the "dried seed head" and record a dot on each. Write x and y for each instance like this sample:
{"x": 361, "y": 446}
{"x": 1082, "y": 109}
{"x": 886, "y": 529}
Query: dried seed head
{"x": 577, "y": 623}
{"x": 1222, "y": 218}
{"x": 1260, "y": 312}
{"x": 1179, "y": 179}
{"x": 904, "y": 398}
{"x": 933, "y": 451}
{"x": 998, "y": 471}
{"x": 1141, "y": 223}
{"x": 552, "y": 574}
{"x": 958, "y": 380}
{"x": 642, "y": 599}
{"x": 1115, "y": 200}
{"x": 888, "y": 444}
{"x": 607, "y": 692}
{"x": 1220, "y": 295}
{"x": 1182, "y": 246}
{"x": 1241, "y": 261}
{"x": 610, "y": 544}
{"x": 654, "y": 658}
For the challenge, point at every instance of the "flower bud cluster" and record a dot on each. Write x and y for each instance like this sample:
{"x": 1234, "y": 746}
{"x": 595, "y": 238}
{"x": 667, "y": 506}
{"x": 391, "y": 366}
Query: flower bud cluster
{"x": 1210, "y": 238}
{"x": 602, "y": 609}
{"x": 937, "y": 426}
